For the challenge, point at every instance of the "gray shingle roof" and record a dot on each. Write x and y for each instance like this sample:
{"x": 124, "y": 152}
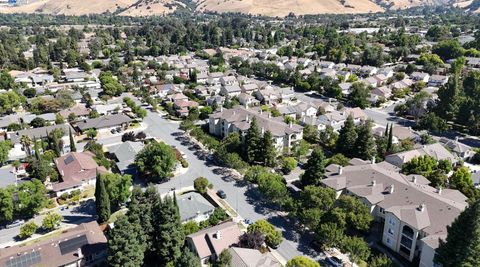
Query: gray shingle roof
{"x": 104, "y": 122}
{"x": 192, "y": 204}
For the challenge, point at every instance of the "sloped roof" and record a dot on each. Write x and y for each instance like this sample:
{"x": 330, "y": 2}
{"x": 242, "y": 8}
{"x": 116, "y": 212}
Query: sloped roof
{"x": 191, "y": 204}
{"x": 103, "y": 122}
{"x": 214, "y": 240}
{"x": 76, "y": 167}
{"x": 244, "y": 257}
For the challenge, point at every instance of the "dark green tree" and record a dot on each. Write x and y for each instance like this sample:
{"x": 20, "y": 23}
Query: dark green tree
{"x": 102, "y": 200}
{"x": 269, "y": 152}
{"x": 73, "y": 147}
{"x": 359, "y": 95}
{"x": 347, "y": 138}
{"x": 462, "y": 245}
{"x": 314, "y": 169}
{"x": 188, "y": 258}
{"x": 168, "y": 234}
{"x": 365, "y": 143}
{"x": 126, "y": 244}
{"x": 253, "y": 143}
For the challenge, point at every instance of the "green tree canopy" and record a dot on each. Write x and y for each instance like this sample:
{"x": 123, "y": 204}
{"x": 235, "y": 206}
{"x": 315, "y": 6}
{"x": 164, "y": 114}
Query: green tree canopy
{"x": 302, "y": 261}
{"x": 156, "y": 161}
{"x": 273, "y": 237}
{"x": 314, "y": 169}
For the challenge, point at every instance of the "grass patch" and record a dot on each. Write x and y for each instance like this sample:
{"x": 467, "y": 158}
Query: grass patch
{"x": 44, "y": 237}
{"x": 114, "y": 217}
{"x": 232, "y": 212}
{"x": 88, "y": 192}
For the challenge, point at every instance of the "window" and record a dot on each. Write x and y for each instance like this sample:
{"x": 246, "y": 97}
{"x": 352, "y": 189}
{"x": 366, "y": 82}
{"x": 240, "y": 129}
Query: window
{"x": 388, "y": 241}
{"x": 390, "y": 231}
{"x": 382, "y": 210}
{"x": 391, "y": 222}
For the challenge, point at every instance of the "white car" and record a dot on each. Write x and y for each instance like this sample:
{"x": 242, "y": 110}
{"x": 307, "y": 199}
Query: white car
{"x": 15, "y": 224}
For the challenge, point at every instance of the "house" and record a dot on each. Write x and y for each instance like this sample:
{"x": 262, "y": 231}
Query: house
{"x": 245, "y": 257}
{"x": 383, "y": 91}
{"x": 202, "y": 78}
{"x": 370, "y": 82}
{"x": 458, "y": 149}
{"x": 345, "y": 87}
{"x": 77, "y": 170}
{"x": 438, "y": 80}
{"x": 193, "y": 206}
{"x": 208, "y": 243}
{"x": 8, "y": 176}
{"x": 228, "y": 80}
{"x": 230, "y": 90}
{"x": 414, "y": 215}
{"x": 108, "y": 108}
{"x": 288, "y": 111}
{"x": 305, "y": 109}
{"x": 124, "y": 155}
{"x": 420, "y": 76}
{"x": 238, "y": 119}
{"x": 381, "y": 79}
{"x": 249, "y": 88}
{"x": 368, "y": 71}
{"x": 79, "y": 110}
{"x": 104, "y": 123}
{"x": 183, "y": 107}
{"x": 399, "y": 133}
{"x": 83, "y": 245}
{"x": 247, "y": 100}
{"x": 214, "y": 78}
{"x": 18, "y": 151}
{"x": 326, "y": 64}
{"x": 436, "y": 150}
{"x": 178, "y": 97}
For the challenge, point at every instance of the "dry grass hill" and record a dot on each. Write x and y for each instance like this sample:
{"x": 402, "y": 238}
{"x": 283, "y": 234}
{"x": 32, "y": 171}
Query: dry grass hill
{"x": 260, "y": 7}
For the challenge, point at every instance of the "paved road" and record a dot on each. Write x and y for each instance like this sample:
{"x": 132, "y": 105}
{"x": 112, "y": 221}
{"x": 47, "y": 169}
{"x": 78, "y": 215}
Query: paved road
{"x": 71, "y": 217}
{"x": 245, "y": 199}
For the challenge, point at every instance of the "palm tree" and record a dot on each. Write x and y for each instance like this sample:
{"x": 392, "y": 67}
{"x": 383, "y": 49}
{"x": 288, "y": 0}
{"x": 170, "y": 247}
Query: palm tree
{"x": 26, "y": 143}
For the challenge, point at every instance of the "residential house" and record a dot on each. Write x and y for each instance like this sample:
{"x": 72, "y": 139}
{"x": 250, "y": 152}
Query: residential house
{"x": 83, "y": 245}
{"x": 228, "y": 80}
{"x": 124, "y": 155}
{"x": 193, "y": 206}
{"x": 8, "y": 176}
{"x": 370, "y": 82}
{"x": 459, "y": 149}
{"x": 245, "y": 257}
{"x": 345, "y": 87}
{"x": 420, "y": 76}
{"x": 438, "y": 80}
{"x": 249, "y": 88}
{"x": 79, "y": 110}
{"x": 202, "y": 78}
{"x": 107, "y": 109}
{"x": 238, "y": 119}
{"x": 326, "y": 64}
{"x": 247, "y": 100}
{"x": 178, "y": 97}
{"x": 383, "y": 91}
{"x": 214, "y": 78}
{"x": 436, "y": 150}
{"x": 183, "y": 107}
{"x": 367, "y": 71}
{"x": 414, "y": 215}
{"x": 208, "y": 243}
{"x": 77, "y": 171}
{"x": 104, "y": 123}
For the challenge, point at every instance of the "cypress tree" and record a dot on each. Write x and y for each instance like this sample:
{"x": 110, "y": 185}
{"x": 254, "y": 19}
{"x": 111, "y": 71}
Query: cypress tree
{"x": 102, "y": 200}
{"x": 390, "y": 139}
{"x": 314, "y": 168}
{"x": 36, "y": 149}
{"x": 126, "y": 244}
{"x": 73, "y": 147}
{"x": 169, "y": 236}
{"x": 269, "y": 152}
{"x": 365, "y": 143}
{"x": 252, "y": 142}
{"x": 188, "y": 259}
{"x": 347, "y": 138}
{"x": 462, "y": 245}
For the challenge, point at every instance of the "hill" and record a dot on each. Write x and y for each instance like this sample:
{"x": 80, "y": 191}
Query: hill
{"x": 404, "y": 4}
{"x": 69, "y": 7}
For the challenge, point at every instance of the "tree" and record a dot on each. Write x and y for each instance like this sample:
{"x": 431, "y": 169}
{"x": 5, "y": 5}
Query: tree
{"x": 273, "y": 187}
{"x": 190, "y": 227}
{"x": 201, "y": 184}
{"x": 273, "y": 237}
{"x": 225, "y": 259}
{"x": 356, "y": 247}
{"x": 314, "y": 203}
{"x": 357, "y": 214}
{"x": 102, "y": 200}
{"x": 253, "y": 173}
{"x": 91, "y": 133}
{"x": 253, "y": 142}
{"x": 460, "y": 248}
{"x": 156, "y": 161}
{"x": 118, "y": 188}
{"x": 188, "y": 258}
{"x": 168, "y": 232}
{"x": 330, "y": 234}
{"x": 26, "y": 143}
{"x": 27, "y": 230}
{"x": 5, "y": 147}
{"x": 347, "y": 137}
{"x": 219, "y": 215}
{"x": 365, "y": 143}
{"x": 51, "y": 221}
{"x": 288, "y": 164}
{"x": 252, "y": 240}
{"x": 359, "y": 95}
{"x": 314, "y": 168}
{"x": 126, "y": 244}
{"x": 268, "y": 150}
{"x": 461, "y": 179}
{"x": 380, "y": 260}
{"x": 38, "y": 122}
{"x": 302, "y": 261}
{"x": 73, "y": 147}
{"x": 59, "y": 119}
{"x": 420, "y": 165}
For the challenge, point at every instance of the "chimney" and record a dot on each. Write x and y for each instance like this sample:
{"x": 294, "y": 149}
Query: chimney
{"x": 414, "y": 179}
{"x": 261, "y": 111}
{"x": 290, "y": 124}
{"x": 263, "y": 130}
{"x": 329, "y": 100}
{"x": 439, "y": 191}
{"x": 422, "y": 207}
{"x": 247, "y": 119}
{"x": 221, "y": 108}
{"x": 373, "y": 160}
{"x": 456, "y": 139}
{"x": 269, "y": 115}
{"x": 392, "y": 189}
{"x": 79, "y": 253}
{"x": 340, "y": 170}
{"x": 374, "y": 183}
{"x": 218, "y": 235}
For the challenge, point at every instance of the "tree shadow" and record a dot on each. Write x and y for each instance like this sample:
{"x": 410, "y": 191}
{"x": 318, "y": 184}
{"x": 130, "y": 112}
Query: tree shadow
{"x": 73, "y": 219}
{"x": 85, "y": 207}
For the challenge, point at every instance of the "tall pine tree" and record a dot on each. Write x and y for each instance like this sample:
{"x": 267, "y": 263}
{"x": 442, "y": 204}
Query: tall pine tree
{"x": 314, "y": 168}
{"x": 126, "y": 244}
{"x": 462, "y": 245}
{"x": 188, "y": 259}
{"x": 269, "y": 152}
{"x": 365, "y": 143}
{"x": 102, "y": 200}
{"x": 73, "y": 147}
{"x": 252, "y": 142}
{"x": 390, "y": 139}
{"x": 168, "y": 236}
{"x": 346, "y": 139}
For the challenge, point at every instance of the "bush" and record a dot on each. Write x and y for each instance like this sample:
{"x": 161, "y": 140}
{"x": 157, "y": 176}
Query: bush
{"x": 273, "y": 237}
{"x": 201, "y": 184}
{"x": 51, "y": 221}
{"x": 27, "y": 230}
{"x": 184, "y": 163}
{"x": 288, "y": 164}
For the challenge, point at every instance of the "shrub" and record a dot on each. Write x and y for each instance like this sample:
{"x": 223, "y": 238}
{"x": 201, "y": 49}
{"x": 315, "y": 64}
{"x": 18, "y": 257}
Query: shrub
{"x": 288, "y": 164}
{"x": 200, "y": 184}
{"x": 184, "y": 163}
{"x": 27, "y": 230}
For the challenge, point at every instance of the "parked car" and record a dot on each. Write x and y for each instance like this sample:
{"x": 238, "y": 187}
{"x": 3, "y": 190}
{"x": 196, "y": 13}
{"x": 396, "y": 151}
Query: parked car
{"x": 247, "y": 221}
{"x": 221, "y": 194}
{"x": 15, "y": 224}
{"x": 335, "y": 261}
